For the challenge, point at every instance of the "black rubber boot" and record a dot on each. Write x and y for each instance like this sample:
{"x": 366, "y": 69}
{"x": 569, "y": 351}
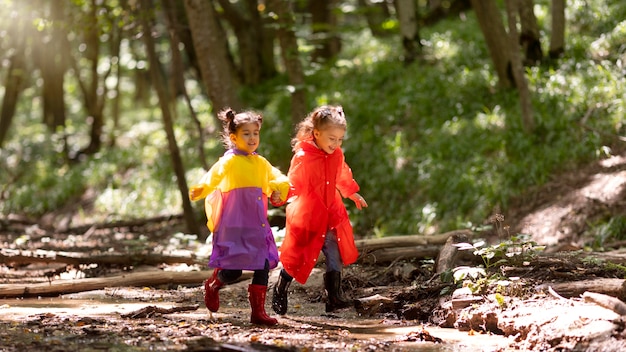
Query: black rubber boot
{"x": 336, "y": 300}
{"x": 279, "y": 297}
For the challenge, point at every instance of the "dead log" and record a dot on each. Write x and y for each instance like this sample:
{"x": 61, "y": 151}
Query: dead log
{"x": 387, "y": 255}
{"x": 152, "y": 278}
{"x": 133, "y": 223}
{"x": 14, "y": 256}
{"x": 372, "y": 244}
{"x": 611, "y": 287}
{"x": 393, "y": 248}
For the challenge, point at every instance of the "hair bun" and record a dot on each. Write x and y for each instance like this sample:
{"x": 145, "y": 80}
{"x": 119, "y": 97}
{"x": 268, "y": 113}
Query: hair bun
{"x": 230, "y": 114}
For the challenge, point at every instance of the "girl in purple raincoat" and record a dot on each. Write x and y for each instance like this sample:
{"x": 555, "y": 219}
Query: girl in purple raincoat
{"x": 236, "y": 189}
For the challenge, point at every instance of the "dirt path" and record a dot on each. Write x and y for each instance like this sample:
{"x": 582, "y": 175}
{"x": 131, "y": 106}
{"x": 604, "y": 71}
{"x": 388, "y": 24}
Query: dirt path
{"x": 96, "y": 321}
{"x": 559, "y": 213}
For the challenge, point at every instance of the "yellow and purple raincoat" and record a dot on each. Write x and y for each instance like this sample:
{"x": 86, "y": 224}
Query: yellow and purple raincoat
{"x": 236, "y": 189}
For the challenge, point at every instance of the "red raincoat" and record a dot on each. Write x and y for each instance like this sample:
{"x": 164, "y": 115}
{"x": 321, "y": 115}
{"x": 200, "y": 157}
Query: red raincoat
{"x": 318, "y": 180}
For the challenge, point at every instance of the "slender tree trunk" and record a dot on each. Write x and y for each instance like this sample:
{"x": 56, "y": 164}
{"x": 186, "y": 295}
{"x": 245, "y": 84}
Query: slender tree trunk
{"x": 160, "y": 87}
{"x": 54, "y": 66}
{"x": 16, "y": 74}
{"x": 291, "y": 59}
{"x": 490, "y": 21}
{"x": 178, "y": 77}
{"x": 528, "y": 122}
{"x": 557, "y": 40}
{"x": 216, "y": 67}
{"x": 407, "y": 16}
{"x": 93, "y": 92}
{"x": 115, "y": 102}
{"x": 324, "y": 28}
{"x": 529, "y": 36}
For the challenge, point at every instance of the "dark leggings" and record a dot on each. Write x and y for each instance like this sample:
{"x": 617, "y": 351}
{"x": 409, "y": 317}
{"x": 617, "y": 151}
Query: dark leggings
{"x": 331, "y": 252}
{"x": 260, "y": 277}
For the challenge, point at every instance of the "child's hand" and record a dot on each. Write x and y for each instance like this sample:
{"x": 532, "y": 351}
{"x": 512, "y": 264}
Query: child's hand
{"x": 359, "y": 201}
{"x": 275, "y": 197}
{"x": 195, "y": 192}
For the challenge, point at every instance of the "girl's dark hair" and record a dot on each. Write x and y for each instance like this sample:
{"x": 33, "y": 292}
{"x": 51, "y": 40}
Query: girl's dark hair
{"x": 320, "y": 118}
{"x": 231, "y": 123}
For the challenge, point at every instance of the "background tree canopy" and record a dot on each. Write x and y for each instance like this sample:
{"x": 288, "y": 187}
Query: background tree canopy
{"x": 454, "y": 107}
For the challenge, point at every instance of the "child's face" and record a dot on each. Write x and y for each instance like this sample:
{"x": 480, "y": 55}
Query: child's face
{"x": 247, "y": 138}
{"x": 329, "y": 138}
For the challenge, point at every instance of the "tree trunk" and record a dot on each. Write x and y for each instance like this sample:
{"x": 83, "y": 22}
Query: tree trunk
{"x": 376, "y": 13}
{"x": 159, "y": 85}
{"x": 216, "y": 67}
{"x": 529, "y": 36}
{"x": 490, "y": 21}
{"x": 255, "y": 39}
{"x": 179, "y": 78}
{"x": 325, "y": 39}
{"x": 115, "y": 102}
{"x": 407, "y": 16}
{"x": 93, "y": 87}
{"x": 53, "y": 64}
{"x": 15, "y": 77}
{"x": 528, "y": 121}
{"x": 557, "y": 40}
{"x": 290, "y": 55}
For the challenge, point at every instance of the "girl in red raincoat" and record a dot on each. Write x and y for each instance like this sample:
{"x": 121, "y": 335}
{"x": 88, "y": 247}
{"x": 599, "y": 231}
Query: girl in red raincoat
{"x": 317, "y": 219}
{"x": 236, "y": 189}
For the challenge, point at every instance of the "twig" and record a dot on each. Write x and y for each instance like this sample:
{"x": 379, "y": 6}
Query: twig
{"x": 150, "y": 311}
{"x": 555, "y": 294}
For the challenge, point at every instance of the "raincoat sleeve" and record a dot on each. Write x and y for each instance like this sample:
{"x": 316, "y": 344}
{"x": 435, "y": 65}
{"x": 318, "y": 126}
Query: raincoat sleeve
{"x": 296, "y": 177}
{"x": 279, "y": 183}
{"x": 209, "y": 181}
{"x": 208, "y": 187}
{"x": 346, "y": 184}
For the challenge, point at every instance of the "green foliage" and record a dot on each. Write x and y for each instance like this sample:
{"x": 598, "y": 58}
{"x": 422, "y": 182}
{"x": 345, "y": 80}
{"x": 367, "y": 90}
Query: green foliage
{"x": 606, "y": 230}
{"x": 514, "y": 251}
{"x": 435, "y": 145}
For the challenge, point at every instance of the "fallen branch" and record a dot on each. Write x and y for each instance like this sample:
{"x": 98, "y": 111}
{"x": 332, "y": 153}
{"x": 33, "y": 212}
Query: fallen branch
{"x": 611, "y": 287}
{"x": 14, "y": 256}
{"x": 372, "y": 244}
{"x": 393, "y": 248}
{"x": 151, "y": 311}
{"x": 59, "y": 287}
{"x": 387, "y": 255}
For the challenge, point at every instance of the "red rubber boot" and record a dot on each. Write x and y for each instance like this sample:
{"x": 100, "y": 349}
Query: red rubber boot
{"x": 256, "y": 295}
{"x": 211, "y": 291}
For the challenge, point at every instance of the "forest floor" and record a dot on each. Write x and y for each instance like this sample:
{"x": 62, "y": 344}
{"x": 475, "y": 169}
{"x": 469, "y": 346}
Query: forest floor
{"x": 406, "y": 310}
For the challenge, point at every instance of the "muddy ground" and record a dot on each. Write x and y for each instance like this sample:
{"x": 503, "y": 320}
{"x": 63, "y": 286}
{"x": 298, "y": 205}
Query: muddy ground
{"x": 413, "y": 311}
{"x": 110, "y": 320}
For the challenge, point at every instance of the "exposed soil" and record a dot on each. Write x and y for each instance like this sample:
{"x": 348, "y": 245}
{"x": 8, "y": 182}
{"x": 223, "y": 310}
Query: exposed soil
{"x": 413, "y": 309}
